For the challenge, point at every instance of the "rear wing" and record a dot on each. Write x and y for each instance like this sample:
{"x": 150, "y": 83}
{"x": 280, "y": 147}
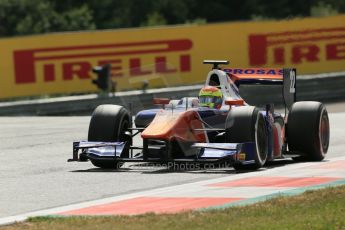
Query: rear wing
{"x": 267, "y": 76}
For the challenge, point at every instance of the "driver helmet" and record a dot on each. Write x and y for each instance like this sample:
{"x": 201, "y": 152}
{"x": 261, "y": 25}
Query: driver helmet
{"x": 211, "y": 97}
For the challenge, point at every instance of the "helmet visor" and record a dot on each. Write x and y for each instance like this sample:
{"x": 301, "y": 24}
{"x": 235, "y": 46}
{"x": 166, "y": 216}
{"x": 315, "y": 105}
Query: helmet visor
{"x": 210, "y": 101}
{"x": 205, "y": 99}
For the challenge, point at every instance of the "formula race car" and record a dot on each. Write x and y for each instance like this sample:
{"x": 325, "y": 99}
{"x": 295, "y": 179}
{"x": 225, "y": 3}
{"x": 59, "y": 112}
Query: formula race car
{"x": 216, "y": 127}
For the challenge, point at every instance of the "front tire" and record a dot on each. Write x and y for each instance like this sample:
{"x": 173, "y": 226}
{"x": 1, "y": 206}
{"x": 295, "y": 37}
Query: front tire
{"x": 308, "y": 130}
{"x": 109, "y": 124}
{"x": 247, "y": 124}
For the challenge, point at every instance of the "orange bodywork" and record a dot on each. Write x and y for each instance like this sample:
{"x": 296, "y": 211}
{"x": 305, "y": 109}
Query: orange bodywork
{"x": 161, "y": 101}
{"x": 234, "y": 102}
{"x": 176, "y": 125}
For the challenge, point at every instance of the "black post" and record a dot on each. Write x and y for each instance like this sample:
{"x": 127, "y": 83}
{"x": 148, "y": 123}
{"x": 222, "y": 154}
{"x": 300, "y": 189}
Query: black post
{"x": 103, "y": 77}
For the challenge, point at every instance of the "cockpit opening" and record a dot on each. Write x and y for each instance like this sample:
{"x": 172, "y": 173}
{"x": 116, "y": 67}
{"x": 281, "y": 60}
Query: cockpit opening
{"x": 214, "y": 80}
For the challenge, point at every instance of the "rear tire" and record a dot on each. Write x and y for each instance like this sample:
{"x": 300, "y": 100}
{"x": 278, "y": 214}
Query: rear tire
{"x": 308, "y": 130}
{"x": 109, "y": 123}
{"x": 247, "y": 124}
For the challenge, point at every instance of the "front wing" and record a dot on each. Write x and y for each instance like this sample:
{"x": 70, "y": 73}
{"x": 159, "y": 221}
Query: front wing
{"x": 243, "y": 153}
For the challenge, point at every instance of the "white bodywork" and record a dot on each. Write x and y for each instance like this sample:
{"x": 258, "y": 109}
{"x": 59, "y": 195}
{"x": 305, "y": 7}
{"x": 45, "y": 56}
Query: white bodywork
{"x": 228, "y": 88}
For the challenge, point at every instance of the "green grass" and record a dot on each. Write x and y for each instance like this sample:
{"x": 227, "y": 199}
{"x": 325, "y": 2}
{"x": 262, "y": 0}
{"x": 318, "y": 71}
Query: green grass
{"x": 319, "y": 209}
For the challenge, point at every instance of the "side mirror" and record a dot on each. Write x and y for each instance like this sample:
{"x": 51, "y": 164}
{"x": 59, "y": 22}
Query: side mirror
{"x": 234, "y": 102}
{"x": 195, "y": 103}
{"x": 161, "y": 101}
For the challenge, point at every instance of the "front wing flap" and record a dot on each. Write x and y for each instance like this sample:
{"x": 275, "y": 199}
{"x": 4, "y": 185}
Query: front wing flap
{"x": 240, "y": 152}
{"x": 99, "y": 149}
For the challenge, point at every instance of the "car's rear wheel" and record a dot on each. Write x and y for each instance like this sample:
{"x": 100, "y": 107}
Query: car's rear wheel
{"x": 109, "y": 123}
{"x": 247, "y": 124}
{"x": 308, "y": 130}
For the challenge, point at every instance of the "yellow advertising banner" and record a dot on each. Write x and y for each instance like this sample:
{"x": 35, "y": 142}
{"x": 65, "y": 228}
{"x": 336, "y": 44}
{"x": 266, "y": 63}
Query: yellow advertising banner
{"x": 166, "y": 56}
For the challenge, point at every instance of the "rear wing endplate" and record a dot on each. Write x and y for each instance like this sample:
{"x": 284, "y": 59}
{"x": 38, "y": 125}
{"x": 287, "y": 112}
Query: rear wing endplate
{"x": 289, "y": 87}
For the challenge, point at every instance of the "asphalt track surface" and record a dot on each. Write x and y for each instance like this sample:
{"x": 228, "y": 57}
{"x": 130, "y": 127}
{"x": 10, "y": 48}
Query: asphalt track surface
{"x": 35, "y": 175}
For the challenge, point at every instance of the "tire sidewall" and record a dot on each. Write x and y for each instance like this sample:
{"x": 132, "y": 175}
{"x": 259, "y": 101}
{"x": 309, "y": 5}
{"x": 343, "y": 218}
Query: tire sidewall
{"x": 259, "y": 160}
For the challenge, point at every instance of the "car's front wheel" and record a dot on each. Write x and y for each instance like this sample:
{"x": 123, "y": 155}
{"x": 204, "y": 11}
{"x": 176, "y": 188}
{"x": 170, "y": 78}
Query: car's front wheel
{"x": 109, "y": 123}
{"x": 247, "y": 124}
